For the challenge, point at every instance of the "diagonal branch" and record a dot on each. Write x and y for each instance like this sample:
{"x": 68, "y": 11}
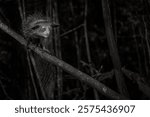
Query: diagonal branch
{"x": 101, "y": 88}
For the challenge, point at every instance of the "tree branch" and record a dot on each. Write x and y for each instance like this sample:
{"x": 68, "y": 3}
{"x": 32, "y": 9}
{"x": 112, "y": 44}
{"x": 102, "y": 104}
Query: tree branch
{"x": 113, "y": 48}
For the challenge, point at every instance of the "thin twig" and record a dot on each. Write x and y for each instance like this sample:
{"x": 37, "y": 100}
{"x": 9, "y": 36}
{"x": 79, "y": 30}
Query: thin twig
{"x": 87, "y": 43}
{"x": 146, "y": 39}
{"x": 20, "y": 10}
{"x": 71, "y": 30}
{"x": 58, "y": 51}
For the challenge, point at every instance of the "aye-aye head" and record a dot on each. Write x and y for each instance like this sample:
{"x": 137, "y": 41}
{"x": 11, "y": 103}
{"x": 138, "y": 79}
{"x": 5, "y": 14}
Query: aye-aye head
{"x": 37, "y": 25}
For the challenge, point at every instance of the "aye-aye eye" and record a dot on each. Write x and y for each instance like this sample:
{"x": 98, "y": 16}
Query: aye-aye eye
{"x": 35, "y": 27}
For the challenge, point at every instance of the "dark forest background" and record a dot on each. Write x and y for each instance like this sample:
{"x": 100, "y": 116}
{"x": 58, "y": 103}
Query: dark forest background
{"x": 108, "y": 40}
